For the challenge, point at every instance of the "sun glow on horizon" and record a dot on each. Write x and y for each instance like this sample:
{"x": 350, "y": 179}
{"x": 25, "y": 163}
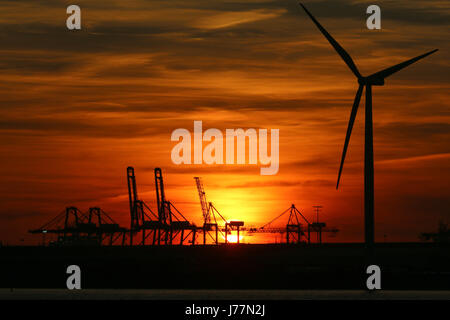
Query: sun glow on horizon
{"x": 232, "y": 238}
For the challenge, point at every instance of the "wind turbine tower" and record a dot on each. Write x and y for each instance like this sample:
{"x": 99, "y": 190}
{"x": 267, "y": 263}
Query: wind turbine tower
{"x": 376, "y": 79}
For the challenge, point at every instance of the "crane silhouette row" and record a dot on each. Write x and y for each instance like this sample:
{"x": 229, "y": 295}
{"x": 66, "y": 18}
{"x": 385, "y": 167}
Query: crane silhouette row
{"x": 166, "y": 225}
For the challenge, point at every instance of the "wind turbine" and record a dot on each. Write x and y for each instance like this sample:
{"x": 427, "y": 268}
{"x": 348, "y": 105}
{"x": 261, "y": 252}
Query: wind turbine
{"x": 376, "y": 79}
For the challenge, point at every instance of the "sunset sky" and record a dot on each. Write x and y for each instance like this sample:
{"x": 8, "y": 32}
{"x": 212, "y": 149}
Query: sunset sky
{"x": 78, "y": 107}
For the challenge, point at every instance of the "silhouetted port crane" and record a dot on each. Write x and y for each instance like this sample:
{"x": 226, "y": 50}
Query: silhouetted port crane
{"x": 294, "y": 229}
{"x": 208, "y": 211}
{"x": 143, "y": 219}
{"x": 233, "y": 225}
{"x": 211, "y": 225}
{"x": 107, "y": 228}
{"x": 172, "y": 221}
{"x": 75, "y": 228}
{"x": 163, "y": 227}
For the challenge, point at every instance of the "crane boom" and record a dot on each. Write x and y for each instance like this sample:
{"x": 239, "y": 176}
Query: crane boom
{"x": 133, "y": 199}
{"x": 203, "y": 203}
{"x": 163, "y": 215}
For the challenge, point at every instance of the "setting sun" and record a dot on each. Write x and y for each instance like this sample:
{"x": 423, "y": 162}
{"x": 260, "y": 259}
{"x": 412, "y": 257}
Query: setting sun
{"x": 232, "y": 238}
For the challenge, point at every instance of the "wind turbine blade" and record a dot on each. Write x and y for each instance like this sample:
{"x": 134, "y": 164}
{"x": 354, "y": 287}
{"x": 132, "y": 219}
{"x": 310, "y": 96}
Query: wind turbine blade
{"x": 387, "y": 72}
{"x": 344, "y": 55}
{"x": 349, "y": 129}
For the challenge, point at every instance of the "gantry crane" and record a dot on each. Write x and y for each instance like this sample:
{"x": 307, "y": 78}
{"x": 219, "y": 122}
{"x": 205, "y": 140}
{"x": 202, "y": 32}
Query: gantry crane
{"x": 164, "y": 226}
{"x": 143, "y": 219}
{"x": 171, "y": 220}
{"x": 294, "y": 229}
{"x": 208, "y": 211}
{"x": 75, "y": 228}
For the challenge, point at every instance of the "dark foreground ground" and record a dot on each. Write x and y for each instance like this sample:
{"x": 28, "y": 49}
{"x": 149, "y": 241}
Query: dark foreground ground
{"x": 227, "y": 295}
{"x": 404, "y": 266}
